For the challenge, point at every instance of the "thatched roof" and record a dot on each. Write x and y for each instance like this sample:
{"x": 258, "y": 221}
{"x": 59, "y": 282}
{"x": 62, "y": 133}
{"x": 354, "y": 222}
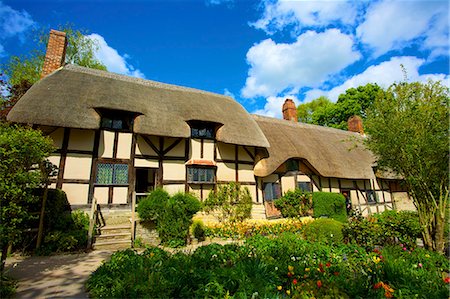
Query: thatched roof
{"x": 69, "y": 96}
{"x": 332, "y": 152}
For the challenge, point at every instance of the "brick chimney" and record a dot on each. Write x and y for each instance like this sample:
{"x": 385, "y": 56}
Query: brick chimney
{"x": 289, "y": 110}
{"x": 355, "y": 124}
{"x": 56, "y": 52}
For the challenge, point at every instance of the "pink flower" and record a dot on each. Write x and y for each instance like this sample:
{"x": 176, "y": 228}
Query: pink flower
{"x": 404, "y": 248}
{"x": 420, "y": 265}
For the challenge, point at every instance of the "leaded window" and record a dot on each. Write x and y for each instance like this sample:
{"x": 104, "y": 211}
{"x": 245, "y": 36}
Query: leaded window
{"x": 112, "y": 174}
{"x": 205, "y": 175}
{"x": 304, "y": 186}
{"x": 272, "y": 191}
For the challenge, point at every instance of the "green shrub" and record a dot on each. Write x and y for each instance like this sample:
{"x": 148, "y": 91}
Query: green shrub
{"x": 151, "y": 207}
{"x": 7, "y": 286}
{"x": 295, "y": 204}
{"x": 328, "y": 231}
{"x": 386, "y": 228}
{"x": 232, "y": 201}
{"x": 268, "y": 267}
{"x": 173, "y": 222}
{"x": 331, "y": 205}
{"x": 198, "y": 229}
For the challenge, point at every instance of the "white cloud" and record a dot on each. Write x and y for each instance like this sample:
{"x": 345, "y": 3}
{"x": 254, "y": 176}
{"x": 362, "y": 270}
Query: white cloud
{"x": 391, "y": 25}
{"x": 13, "y": 22}
{"x": 112, "y": 59}
{"x": 229, "y": 93}
{"x": 218, "y": 2}
{"x": 304, "y": 13}
{"x": 309, "y": 61}
{"x": 384, "y": 74}
{"x": 274, "y": 105}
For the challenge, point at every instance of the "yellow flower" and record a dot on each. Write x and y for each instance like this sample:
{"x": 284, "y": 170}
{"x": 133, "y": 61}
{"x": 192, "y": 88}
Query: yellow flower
{"x": 427, "y": 255}
{"x": 376, "y": 259}
{"x": 279, "y": 288}
{"x": 288, "y": 292}
{"x": 290, "y": 268}
{"x": 307, "y": 269}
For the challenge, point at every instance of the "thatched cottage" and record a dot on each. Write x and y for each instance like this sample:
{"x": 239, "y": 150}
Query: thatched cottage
{"x": 116, "y": 135}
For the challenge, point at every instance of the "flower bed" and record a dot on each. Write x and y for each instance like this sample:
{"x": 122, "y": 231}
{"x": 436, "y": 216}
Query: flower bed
{"x": 248, "y": 228}
{"x": 270, "y": 267}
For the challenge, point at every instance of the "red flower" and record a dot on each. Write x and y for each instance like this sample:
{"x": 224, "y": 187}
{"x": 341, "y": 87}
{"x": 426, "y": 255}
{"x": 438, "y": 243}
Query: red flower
{"x": 328, "y": 265}
{"x": 378, "y": 285}
{"x": 319, "y": 283}
{"x": 294, "y": 281}
{"x": 289, "y": 274}
{"x": 336, "y": 273}
{"x": 320, "y": 265}
{"x": 447, "y": 279}
{"x": 388, "y": 294}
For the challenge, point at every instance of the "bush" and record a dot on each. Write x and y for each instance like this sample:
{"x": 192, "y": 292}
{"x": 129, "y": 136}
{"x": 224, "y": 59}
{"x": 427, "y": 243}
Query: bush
{"x": 7, "y": 286}
{"x": 328, "y": 231}
{"x": 232, "y": 201}
{"x": 198, "y": 230}
{"x": 151, "y": 207}
{"x": 295, "y": 204}
{"x": 331, "y": 205}
{"x": 275, "y": 267}
{"x": 386, "y": 228}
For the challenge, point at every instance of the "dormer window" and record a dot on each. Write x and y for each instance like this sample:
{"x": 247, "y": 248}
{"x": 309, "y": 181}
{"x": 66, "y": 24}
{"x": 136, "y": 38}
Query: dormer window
{"x": 203, "y": 130}
{"x": 116, "y": 120}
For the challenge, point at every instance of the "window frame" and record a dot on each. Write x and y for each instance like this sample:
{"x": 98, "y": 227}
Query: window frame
{"x": 113, "y": 116}
{"x": 273, "y": 192}
{"x": 372, "y": 194}
{"x": 310, "y": 187}
{"x": 111, "y": 183}
{"x": 197, "y": 126}
{"x": 198, "y": 167}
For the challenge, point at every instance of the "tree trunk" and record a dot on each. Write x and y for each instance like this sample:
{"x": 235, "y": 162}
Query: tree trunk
{"x": 3, "y": 259}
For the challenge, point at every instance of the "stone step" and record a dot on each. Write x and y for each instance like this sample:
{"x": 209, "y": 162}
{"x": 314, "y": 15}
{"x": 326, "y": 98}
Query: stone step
{"x": 115, "y": 236}
{"x": 112, "y": 245}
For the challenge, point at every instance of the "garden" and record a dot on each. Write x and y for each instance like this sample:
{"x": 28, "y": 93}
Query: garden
{"x": 305, "y": 256}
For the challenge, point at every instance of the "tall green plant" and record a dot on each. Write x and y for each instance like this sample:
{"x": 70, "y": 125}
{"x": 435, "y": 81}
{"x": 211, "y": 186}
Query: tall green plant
{"x": 329, "y": 204}
{"x": 21, "y": 151}
{"x": 295, "y": 204}
{"x": 409, "y": 134}
{"x": 233, "y": 202}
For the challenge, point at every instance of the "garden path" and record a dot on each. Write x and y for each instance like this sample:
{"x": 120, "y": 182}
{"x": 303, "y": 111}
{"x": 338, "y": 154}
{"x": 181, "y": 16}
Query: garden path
{"x": 60, "y": 276}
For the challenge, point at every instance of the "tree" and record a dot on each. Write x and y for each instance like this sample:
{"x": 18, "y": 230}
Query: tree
{"x": 21, "y": 72}
{"x": 408, "y": 132}
{"x": 306, "y": 110}
{"x": 355, "y": 101}
{"x": 22, "y": 151}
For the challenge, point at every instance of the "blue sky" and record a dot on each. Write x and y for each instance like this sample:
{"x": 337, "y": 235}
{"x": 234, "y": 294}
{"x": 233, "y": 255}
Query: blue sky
{"x": 258, "y": 52}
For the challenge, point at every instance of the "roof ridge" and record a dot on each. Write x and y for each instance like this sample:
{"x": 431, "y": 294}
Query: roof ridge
{"x": 146, "y": 82}
{"x": 300, "y": 124}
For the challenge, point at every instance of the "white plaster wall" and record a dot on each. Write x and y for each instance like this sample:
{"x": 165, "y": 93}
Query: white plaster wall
{"x": 54, "y": 159}
{"x": 77, "y": 193}
{"x": 172, "y": 189}
{"x": 78, "y": 167}
{"x": 246, "y": 173}
{"x": 120, "y": 195}
{"x": 146, "y": 163}
{"x": 208, "y": 149}
{"x": 225, "y": 172}
{"x": 101, "y": 193}
{"x": 303, "y": 178}
{"x": 142, "y": 148}
{"x": 81, "y": 140}
{"x": 124, "y": 146}
{"x": 195, "y": 149}
{"x": 287, "y": 183}
{"x": 178, "y": 150}
{"x": 174, "y": 170}
{"x": 334, "y": 185}
{"x": 403, "y": 202}
{"x": 106, "y": 144}
{"x": 243, "y": 155}
{"x": 225, "y": 151}
{"x": 57, "y": 137}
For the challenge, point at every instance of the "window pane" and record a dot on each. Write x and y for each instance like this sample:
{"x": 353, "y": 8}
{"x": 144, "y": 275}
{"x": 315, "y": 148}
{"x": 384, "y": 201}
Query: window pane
{"x": 276, "y": 190}
{"x": 200, "y": 175}
{"x": 117, "y": 124}
{"x": 120, "y": 174}
{"x": 304, "y": 186}
{"x": 371, "y": 196}
{"x": 106, "y": 123}
{"x": 268, "y": 191}
{"x": 104, "y": 173}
